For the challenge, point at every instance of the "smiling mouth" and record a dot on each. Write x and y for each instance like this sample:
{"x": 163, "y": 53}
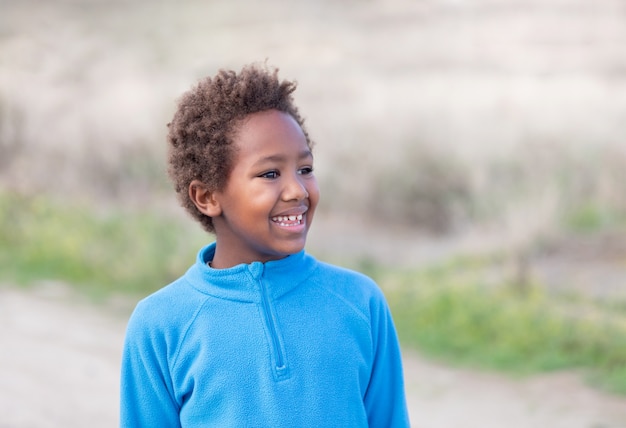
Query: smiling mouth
{"x": 288, "y": 220}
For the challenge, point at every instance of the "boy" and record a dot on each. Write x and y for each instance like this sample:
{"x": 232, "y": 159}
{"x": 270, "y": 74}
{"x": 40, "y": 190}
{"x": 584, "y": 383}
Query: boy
{"x": 257, "y": 333}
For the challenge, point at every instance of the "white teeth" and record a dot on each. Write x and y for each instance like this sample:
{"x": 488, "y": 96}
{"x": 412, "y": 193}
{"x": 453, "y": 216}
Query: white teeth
{"x": 287, "y": 220}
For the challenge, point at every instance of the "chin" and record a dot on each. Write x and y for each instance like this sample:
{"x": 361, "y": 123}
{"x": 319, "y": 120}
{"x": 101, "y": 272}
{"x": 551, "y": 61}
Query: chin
{"x": 292, "y": 249}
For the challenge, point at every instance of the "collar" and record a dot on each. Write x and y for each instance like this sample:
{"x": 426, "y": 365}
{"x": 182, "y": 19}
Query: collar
{"x": 245, "y": 282}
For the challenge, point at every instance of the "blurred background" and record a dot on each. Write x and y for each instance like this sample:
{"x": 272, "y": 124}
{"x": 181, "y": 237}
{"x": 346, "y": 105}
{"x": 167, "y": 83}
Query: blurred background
{"x": 471, "y": 156}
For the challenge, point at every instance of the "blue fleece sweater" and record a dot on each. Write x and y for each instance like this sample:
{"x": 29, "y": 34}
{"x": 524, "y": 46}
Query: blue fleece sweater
{"x": 288, "y": 343}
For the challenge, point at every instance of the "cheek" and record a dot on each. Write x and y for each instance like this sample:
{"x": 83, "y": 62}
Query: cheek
{"x": 249, "y": 201}
{"x": 314, "y": 192}
{"x": 261, "y": 200}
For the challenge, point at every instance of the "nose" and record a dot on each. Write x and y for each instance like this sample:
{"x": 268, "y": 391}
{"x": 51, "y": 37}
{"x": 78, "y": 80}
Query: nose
{"x": 295, "y": 189}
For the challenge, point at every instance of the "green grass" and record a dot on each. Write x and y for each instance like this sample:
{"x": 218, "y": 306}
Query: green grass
{"x": 450, "y": 313}
{"x": 129, "y": 252}
{"x": 590, "y": 217}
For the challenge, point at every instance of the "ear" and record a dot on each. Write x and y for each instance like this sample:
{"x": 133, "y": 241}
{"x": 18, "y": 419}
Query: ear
{"x": 204, "y": 199}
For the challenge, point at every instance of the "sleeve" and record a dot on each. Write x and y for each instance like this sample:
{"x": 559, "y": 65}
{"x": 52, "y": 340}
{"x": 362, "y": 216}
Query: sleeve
{"x": 146, "y": 391}
{"x": 385, "y": 400}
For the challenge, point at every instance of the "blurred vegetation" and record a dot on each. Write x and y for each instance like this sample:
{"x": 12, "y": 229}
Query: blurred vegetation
{"x": 559, "y": 188}
{"x": 425, "y": 188}
{"x": 451, "y": 311}
{"x": 468, "y": 310}
{"x": 101, "y": 253}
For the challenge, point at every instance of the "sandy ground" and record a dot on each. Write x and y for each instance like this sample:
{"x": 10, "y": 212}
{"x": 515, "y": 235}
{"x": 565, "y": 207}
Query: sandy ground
{"x": 59, "y": 365}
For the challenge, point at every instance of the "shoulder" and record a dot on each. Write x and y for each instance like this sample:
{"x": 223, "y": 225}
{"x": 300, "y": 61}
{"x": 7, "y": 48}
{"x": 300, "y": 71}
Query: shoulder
{"x": 330, "y": 273}
{"x": 352, "y": 286}
{"x": 168, "y": 309}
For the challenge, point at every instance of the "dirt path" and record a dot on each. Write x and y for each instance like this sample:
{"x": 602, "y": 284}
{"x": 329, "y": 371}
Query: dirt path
{"x": 442, "y": 397}
{"x": 59, "y": 361}
{"x": 59, "y": 364}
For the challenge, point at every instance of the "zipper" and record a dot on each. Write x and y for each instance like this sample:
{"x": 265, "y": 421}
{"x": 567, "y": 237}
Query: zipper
{"x": 280, "y": 367}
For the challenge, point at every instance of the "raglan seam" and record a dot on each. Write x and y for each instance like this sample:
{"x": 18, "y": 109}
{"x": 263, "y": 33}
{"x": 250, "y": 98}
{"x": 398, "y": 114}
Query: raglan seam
{"x": 183, "y": 337}
{"x": 349, "y": 304}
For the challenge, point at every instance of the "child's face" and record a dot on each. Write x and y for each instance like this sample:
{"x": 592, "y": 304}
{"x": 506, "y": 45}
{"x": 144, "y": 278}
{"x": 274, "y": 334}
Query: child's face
{"x": 269, "y": 200}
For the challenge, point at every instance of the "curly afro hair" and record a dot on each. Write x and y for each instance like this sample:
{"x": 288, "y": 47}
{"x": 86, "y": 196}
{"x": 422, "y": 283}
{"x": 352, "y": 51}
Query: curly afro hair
{"x": 201, "y": 134}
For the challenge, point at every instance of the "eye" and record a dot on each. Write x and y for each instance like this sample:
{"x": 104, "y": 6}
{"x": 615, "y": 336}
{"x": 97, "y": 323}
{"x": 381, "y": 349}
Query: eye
{"x": 307, "y": 170}
{"x": 270, "y": 174}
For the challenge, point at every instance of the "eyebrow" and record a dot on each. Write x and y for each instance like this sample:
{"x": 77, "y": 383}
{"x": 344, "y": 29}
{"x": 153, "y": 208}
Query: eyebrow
{"x": 281, "y": 158}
